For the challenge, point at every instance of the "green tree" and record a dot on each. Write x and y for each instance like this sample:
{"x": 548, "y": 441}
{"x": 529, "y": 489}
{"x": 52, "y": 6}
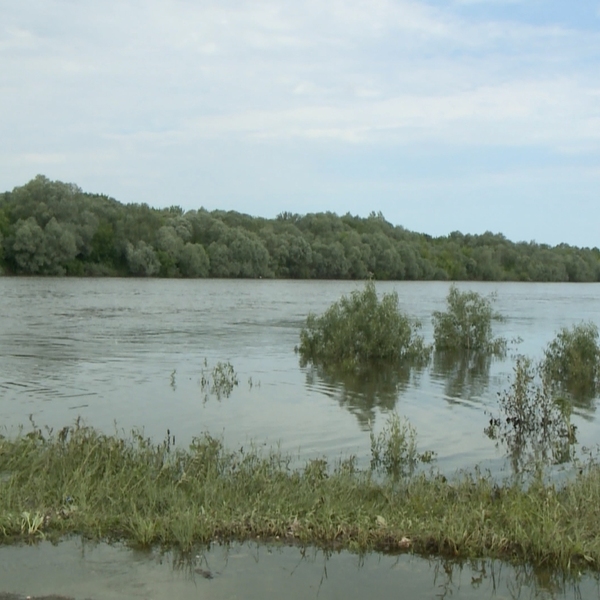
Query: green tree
{"x": 193, "y": 261}
{"x": 142, "y": 260}
{"x": 29, "y": 247}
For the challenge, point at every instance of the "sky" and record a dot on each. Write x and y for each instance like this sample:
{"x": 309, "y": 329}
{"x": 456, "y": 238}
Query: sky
{"x": 445, "y": 115}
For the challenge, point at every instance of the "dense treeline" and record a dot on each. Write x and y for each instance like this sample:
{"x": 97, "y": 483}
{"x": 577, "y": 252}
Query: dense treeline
{"x": 54, "y": 228}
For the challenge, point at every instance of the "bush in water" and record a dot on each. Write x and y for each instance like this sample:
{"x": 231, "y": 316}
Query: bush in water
{"x": 467, "y": 324}
{"x": 572, "y": 360}
{"x": 360, "y": 330}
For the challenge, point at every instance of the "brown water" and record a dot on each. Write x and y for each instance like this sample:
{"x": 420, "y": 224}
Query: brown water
{"x": 132, "y": 352}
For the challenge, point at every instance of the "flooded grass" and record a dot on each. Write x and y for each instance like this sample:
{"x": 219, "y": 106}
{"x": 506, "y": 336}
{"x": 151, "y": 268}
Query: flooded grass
{"x": 109, "y": 487}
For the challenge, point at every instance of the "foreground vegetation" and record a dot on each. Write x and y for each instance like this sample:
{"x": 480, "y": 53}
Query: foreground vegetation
{"x": 112, "y": 487}
{"x": 54, "y": 228}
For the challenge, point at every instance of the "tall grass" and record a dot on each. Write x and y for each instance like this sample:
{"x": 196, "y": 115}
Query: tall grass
{"x": 394, "y": 449}
{"x": 360, "y": 330}
{"x": 112, "y": 487}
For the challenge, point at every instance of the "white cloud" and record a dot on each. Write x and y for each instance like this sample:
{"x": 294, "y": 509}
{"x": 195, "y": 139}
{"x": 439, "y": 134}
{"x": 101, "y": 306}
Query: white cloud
{"x": 121, "y": 82}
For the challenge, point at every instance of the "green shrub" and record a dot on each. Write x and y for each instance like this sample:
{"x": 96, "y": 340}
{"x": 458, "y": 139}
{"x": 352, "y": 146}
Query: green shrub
{"x": 533, "y": 425}
{"x": 360, "y": 330}
{"x": 218, "y": 381}
{"x": 394, "y": 450}
{"x": 572, "y": 360}
{"x": 467, "y": 324}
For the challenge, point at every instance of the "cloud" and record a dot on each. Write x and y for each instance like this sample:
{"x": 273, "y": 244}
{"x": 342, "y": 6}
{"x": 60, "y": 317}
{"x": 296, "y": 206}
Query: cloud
{"x": 119, "y": 88}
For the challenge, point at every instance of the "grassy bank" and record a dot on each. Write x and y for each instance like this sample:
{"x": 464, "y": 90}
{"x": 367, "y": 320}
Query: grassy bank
{"x": 108, "y": 487}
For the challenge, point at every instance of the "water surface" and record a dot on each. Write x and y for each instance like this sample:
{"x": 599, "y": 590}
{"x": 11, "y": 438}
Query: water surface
{"x": 132, "y": 352}
{"x": 124, "y": 353}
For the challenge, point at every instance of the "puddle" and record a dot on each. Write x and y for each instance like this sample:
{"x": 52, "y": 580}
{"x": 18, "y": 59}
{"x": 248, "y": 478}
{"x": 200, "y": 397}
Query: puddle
{"x": 82, "y": 570}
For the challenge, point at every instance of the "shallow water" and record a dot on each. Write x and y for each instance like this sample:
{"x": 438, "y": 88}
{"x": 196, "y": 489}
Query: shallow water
{"x": 98, "y": 571}
{"x": 130, "y": 353}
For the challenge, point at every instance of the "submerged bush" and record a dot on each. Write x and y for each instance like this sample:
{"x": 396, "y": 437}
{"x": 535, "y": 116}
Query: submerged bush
{"x": 533, "y": 425}
{"x": 467, "y": 324}
{"x": 360, "y": 330}
{"x": 572, "y": 360}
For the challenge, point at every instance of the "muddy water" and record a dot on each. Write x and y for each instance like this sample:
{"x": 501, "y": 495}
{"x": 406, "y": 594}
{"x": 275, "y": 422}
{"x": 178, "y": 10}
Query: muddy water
{"x": 131, "y": 353}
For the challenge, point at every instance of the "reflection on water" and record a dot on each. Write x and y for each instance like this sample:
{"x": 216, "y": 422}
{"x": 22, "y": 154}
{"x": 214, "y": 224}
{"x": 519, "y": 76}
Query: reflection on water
{"x": 362, "y": 393}
{"x": 465, "y": 375}
{"x": 99, "y": 571}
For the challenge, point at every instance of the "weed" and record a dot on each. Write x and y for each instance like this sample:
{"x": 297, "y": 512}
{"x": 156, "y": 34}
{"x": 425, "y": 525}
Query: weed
{"x": 360, "y": 330}
{"x": 394, "y": 450}
{"x": 467, "y": 324}
{"x": 534, "y": 426}
{"x": 218, "y": 381}
{"x": 31, "y": 524}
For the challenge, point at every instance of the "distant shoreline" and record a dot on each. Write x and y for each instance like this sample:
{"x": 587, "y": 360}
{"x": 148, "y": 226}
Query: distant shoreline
{"x": 55, "y": 229}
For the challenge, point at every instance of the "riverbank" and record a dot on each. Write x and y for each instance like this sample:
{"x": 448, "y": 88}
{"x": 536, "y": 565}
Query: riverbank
{"x": 107, "y": 487}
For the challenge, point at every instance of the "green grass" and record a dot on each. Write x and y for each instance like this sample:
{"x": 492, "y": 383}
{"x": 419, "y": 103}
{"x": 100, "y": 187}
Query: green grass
{"x": 80, "y": 481}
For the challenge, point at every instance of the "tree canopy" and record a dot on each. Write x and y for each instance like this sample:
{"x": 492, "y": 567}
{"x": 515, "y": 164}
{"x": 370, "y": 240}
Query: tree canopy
{"x": 54, "y": 228}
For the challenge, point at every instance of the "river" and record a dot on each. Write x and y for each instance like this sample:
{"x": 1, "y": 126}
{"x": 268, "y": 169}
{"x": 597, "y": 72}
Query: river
{"x": 131, "y": 353}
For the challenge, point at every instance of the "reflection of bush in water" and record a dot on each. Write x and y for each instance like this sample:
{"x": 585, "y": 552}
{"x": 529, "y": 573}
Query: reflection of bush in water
{"x": 466, "y": 374}
{"x": 362, "y": 393}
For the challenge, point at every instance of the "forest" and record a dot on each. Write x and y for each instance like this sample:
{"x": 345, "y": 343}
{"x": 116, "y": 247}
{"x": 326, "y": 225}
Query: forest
{"x": 55, "y": 228}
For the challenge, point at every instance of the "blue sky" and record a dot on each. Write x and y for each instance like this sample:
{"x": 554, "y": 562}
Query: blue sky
{"x": 445, "y": 115}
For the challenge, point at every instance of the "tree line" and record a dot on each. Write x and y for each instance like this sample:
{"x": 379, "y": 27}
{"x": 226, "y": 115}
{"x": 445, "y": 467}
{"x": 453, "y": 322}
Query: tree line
{"x": 54, "y": 228}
